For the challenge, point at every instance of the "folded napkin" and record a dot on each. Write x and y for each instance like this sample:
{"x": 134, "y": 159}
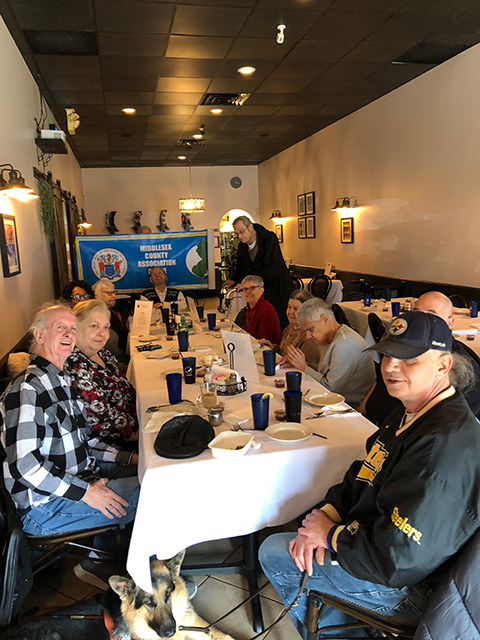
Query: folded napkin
{"x": 165, "y": 414}
{"x": 224, "y": 372}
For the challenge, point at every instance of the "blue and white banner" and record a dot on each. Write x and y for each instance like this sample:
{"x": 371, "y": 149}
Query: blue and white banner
{"x": 187, "y": 258}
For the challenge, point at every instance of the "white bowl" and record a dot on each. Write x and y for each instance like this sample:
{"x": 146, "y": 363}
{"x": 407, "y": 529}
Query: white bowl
{"x": 226, "y": 443}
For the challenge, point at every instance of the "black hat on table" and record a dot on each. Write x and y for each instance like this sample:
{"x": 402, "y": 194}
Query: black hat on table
{"x": 183, "y": 437}
{"x": 414, "y": 333}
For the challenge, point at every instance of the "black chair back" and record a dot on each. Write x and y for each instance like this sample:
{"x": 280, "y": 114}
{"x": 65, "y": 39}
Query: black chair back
{"x": 340, "y": 315}
{"x": 320, "y": 286}
{"x": 376, "y": 327}
{"x": 297, "y": 283}
{"x": 353, "y": 296}
{"x": 458, "y": 301}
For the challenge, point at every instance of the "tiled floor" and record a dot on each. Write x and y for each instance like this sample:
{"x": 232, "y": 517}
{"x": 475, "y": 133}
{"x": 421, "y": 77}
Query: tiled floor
{"x": 58, "y": 586}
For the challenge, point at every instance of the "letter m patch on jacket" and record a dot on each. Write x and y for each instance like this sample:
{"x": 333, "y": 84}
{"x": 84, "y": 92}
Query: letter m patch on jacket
{"x": 372, "y": 463}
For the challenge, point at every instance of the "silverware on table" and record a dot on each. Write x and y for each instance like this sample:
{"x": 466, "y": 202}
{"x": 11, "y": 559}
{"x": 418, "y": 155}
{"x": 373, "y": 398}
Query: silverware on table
{"x": 162, "y": 406}
{"x": 319, "y": 435}
{"x": 330, "y": 414}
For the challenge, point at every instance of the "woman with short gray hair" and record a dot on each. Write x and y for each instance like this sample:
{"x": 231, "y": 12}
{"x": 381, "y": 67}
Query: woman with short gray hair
{"x": 345, "y": 368}
{"x": 261, "y": 319}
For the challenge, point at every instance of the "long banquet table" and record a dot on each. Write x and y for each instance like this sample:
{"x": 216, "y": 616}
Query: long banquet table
{"x": 185, "y": 502}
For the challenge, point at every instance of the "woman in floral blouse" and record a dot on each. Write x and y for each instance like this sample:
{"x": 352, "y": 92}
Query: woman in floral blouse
{"x": 108, "y": 396}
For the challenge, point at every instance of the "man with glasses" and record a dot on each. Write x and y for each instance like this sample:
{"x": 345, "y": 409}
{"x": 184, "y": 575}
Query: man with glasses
{"x": 259, "y": 254}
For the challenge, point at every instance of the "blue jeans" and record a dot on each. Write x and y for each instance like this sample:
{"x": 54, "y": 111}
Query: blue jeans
{"x": 407, "y": 603}
{"x": 59, "y": 514}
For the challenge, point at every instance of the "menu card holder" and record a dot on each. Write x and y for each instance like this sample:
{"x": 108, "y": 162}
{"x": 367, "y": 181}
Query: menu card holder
{"x": 245, "y": 363}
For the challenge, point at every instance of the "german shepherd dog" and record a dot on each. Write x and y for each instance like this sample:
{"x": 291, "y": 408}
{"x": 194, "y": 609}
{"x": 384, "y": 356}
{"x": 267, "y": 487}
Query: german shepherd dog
{"x": 127, "y": 611}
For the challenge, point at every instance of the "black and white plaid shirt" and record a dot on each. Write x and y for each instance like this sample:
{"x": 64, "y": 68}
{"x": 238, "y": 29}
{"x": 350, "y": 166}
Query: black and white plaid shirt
{"x": 46, "y": 438}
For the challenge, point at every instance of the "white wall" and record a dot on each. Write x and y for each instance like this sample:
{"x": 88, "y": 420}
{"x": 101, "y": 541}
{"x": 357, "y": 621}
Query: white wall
{"x": 412, "y": 159}
{"x": 155, "y": 188}
{"x": 19, "y": 105}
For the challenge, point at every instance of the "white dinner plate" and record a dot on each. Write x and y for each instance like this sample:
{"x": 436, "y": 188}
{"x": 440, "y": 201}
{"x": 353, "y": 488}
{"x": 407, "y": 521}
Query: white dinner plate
{"x": 217, "y": 360}
{"x": 319, "y": 399}
{"x": 147, "y": 338}
{"x": 288, "y": 432}
{"x": 201, "y": 348}
{"x": 163, "y": 374}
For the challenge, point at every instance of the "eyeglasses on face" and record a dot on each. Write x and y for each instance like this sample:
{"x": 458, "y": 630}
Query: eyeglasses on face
{"x": 241, "y": 232}
{"x": 110, "y": 293}
{"x": 80, "y": 296}
{"x": 250, "y": 289}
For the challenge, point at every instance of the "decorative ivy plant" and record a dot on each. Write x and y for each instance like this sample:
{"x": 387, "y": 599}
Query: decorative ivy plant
{"x": 47, "y": 209}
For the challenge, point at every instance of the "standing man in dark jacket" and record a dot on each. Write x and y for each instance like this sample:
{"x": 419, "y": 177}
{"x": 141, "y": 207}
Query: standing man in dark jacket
{"x": 400, "y": 516}
{"x": 259, "y": 254}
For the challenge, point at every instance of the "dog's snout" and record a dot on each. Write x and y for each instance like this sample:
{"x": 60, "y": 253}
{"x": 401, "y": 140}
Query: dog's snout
{"x": 167, "y": 629}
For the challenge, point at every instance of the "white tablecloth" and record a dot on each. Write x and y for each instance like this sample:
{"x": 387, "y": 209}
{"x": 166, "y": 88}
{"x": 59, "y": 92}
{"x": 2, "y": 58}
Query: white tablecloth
{"x": 184, "y": 502}
{"x": 334, "y": 295}
{"x": 357, "y": 315}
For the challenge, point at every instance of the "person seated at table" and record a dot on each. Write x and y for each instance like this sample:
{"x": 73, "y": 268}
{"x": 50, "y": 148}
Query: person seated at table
{"x": 76, "y": 291}
{"x": 160, "y": 294}
{"x": 345, "y": 367}
{"x": 378, "y": 403}
{"x": 117, "y": 342}
{"x": 399, "y": 517}
{"x": 60, "y": 476}
{"x": 261, "y": 319}
{"x": 293, "y": 334}
{"x": 109, "y": 398}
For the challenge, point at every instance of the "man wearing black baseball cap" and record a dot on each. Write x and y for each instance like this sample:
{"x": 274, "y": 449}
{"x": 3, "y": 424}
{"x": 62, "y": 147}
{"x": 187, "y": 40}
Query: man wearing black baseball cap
{"x": 400, "y": 516}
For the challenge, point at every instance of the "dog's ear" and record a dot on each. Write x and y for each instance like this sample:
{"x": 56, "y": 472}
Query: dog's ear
{"x": 122, "y": 586}
{"x": 175, "y": 563}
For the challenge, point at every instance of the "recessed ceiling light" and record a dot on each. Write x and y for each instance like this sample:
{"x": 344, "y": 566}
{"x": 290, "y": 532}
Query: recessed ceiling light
{"x": 197, "y": 136}
{"x": 182, "y": 157}
{"x": 246, "y": 71}
{"x": 216, "y": 111}
{"x": 129, "y": 110}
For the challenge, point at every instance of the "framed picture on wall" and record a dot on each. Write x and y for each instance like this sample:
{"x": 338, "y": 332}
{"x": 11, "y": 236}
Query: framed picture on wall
{"x": 302, "y": 233}
{"x": 301, "y": 205}
{"x": 310, "y": 226}
{"x": 279, "y": 232}
{"x": 346, "y": 230}
{"x": 310, "y": 203}
{"x": 9, "y": 246}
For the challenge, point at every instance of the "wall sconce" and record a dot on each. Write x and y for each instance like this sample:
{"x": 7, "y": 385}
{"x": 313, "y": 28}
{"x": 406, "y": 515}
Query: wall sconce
{"x": 349, "y": 202}
{"x": 84, "y": 224}
{"x": 275, "y": 214}
{"x": 15, "y": 187}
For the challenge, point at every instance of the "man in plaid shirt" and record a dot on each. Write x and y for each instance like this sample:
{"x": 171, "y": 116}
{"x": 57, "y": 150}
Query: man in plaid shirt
{"x": 59, "y": 477}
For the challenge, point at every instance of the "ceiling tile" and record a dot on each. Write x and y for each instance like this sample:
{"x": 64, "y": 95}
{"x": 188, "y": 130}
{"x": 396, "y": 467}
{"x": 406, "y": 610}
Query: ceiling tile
{"x": 450, "y": 7}
{"x": 257, "y": 111}
{"x": 133, "y": 17}
{"x": 183, "y": 85}
{"x": 234, "y": 85}
{"x": 78, "y": 97}
{"x": 313, "y": 50}
{"x": 68, "y": 65}
{"x": 298, "y": 69}
{"x": 365, "y": 5}
{"x": 347, "y": 25}
{"x": 74, "y": 83}
{"x": 116, "y": 110}
{"x": 368, "y": 51}
{"x": 264, "y": 99}
{"x": 203, "y": 114}
{"x": 136, "y": 44}
{"x": 129, "y": 83}
{"x": 208, "y": 21}
{"x": 172, "y": 110}
{"x": 197, "y": 47}
{"x": 297, "y": 110}
{"x": 229, "y": 68}
{"x": 54, "y": 14}
{"x": 84, "y": 110}
{"x": 402, "y": 27}
{"x": 264, "y": 49}
{"x": 279, "y": 85}
{"x": 126, "y": 66}
{"x": 465, "y": 30}
{"x": 178, "y": 98}
{"x": 262, "y": 23}
{"x": 128, "y": 97}
{"x": 187, "y": 68}
{"x": 294, "y": 4}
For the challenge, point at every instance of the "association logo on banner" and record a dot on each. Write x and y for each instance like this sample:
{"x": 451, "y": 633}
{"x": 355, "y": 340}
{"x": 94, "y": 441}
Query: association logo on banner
{"x": 109, "y": 264}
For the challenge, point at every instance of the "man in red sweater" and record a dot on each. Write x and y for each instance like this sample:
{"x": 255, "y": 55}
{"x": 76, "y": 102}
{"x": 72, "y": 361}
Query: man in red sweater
{"x": 261, "y": 319}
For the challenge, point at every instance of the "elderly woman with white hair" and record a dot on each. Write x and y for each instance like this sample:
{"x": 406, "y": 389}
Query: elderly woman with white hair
{"x": 261, "y": 319}
{"x": 108, "y": 396}
{"x": 345, "y": 367}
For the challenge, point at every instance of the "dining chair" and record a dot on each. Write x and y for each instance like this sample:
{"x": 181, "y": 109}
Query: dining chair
{"x": 340, "y": 315}
{"x": 376, "y": 326}
{"x": 297, "y": 282}
{"x": 320, "y": 286}
{"x": 458, "y": 301}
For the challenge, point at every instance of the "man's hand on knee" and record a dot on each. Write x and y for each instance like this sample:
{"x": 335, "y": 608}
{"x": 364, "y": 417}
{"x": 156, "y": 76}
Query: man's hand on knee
{"x": 315, "y": 527}
{"x": 100, "y": 497}
{"x": 302, "y": 551}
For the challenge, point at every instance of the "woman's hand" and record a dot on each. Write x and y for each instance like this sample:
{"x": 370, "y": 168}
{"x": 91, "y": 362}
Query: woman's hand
{"x": 296, "y": 358}
{"x": 266, "y": 342}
